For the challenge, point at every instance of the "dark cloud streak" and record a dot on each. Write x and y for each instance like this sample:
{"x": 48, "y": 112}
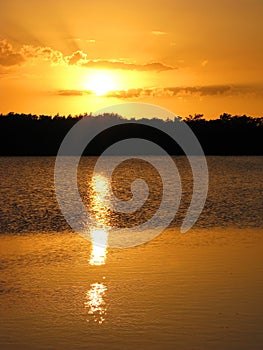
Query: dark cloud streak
{"x": 107, "y": 64}
{"x": 73, "y": 92}
{"x": 210, "y": 90}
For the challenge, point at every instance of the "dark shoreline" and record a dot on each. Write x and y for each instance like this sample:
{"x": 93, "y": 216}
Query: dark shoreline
{"x": 32, "y": 135}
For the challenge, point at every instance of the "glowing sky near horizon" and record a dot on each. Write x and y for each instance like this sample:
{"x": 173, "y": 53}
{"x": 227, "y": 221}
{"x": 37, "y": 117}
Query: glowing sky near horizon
{"x": 195, "y": 56}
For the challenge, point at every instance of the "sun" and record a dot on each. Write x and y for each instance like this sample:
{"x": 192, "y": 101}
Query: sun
{"x": 101, "y": 83}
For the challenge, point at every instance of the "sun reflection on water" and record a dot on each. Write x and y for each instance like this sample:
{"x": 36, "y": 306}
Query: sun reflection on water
{"x": 94, "y": 302}
{"x": 99, "y": 236}
{"x": 98, "y": 253}
{"x": 99, "y": 198}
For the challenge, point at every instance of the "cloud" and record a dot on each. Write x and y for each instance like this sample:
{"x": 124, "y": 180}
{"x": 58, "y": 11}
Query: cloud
{"x": 180, "y": 91}
{"x": 226, "y": 90}
{"x": 44, "y": 53}
{"x": 79, "y": 58}
{"x": 84, "y": 40}
{"x": 204, "y": 63}
{"x": 254, "y": 89}
{"x": 8, "y": 56}
{"x": 209, "y": 90}
{"x": 130, "y": 93}
{"x": 76, "y": 58}
{"x": 157, "y": 32}
{"x": 73, "y": 92}
{"x": 110, "y": 64}
{"x": 170, "y": 91}
{"x": 27, "y": 53}
{"x": 3, "y": 71}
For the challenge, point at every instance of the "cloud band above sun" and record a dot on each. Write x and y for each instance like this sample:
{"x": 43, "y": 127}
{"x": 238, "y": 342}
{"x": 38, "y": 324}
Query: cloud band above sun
{"x": 212, "y": 90}
{"x": 11, "y": 57}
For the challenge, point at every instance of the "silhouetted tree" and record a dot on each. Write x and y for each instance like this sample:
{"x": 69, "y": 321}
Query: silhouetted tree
{"x": 33, "y": 135}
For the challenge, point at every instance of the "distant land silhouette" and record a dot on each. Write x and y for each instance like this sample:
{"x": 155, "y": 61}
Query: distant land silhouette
{"x": 41, "y": 135}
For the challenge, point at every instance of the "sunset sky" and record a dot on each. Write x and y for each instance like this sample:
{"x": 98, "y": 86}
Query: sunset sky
{"x": 189, "y": 56}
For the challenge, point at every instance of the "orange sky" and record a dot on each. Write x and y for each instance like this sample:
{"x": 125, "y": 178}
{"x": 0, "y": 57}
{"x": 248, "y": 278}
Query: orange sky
{"x": 190, "y": 56}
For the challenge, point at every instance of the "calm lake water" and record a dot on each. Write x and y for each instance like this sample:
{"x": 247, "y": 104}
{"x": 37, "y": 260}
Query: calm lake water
{"x": 199, "y": 290}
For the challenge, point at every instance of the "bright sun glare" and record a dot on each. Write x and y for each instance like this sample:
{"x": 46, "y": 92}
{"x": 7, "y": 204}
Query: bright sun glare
{"x": 101, "y": 83}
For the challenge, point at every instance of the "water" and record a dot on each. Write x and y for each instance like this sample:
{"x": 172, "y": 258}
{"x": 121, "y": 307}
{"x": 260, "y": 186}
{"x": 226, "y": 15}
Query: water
{"x": 28, "y": 201}
{"x": 200, "y": 290}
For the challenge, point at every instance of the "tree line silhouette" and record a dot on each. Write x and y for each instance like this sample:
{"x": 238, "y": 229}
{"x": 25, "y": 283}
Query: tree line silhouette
{"x": 41, "y": 135}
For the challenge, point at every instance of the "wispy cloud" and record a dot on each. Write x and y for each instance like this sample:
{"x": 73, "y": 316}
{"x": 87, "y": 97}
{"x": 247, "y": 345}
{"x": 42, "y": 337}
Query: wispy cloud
{"x": 130, "y": 93}
{"x": 80, "y": 58}
{"x": 84, "y": 40}
{"x": 27, "y": 53}
{"x": 110, "y": 64}
{"x": 44, "y": 53}
{"x": 76, "y": 58}
{"x": 8, "y": 56}
{"x": 210, "y": 90}
{"x": 169, "y": 91}
{"x": 157, "y": 32}
{"x": 11, "y": 57}
{"x": 204, "y": 63}
{"x": 73, "y": 92}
